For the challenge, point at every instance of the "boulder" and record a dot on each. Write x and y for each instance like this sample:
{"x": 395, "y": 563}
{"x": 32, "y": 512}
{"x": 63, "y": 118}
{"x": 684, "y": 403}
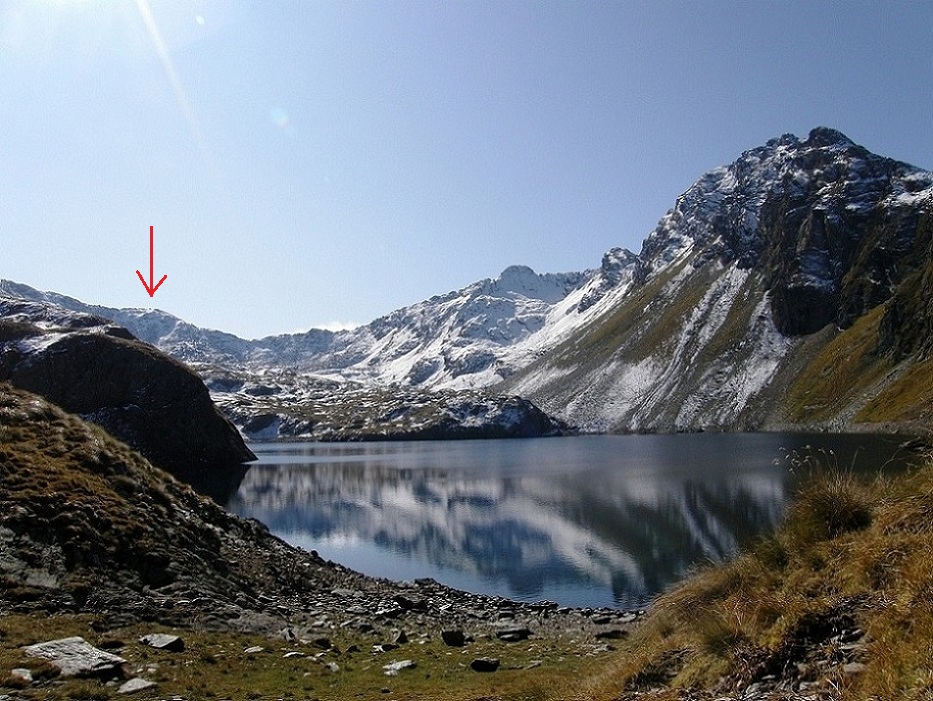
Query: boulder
{"x": 612, "y": 634}
{"x": 513, "y": 634}
{"x": 453, "y": 638}
{"x": 163, "y": 641}
{"x": 138, "y": 394}
{"x": 393, "y": 668}
{"x": 135, "y": 685}
{"x": 485, "y": 664}
{"x": 75, "y": 657}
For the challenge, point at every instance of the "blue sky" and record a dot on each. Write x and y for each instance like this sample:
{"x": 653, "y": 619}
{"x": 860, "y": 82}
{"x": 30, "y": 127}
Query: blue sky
{"x": 311, "y": 163}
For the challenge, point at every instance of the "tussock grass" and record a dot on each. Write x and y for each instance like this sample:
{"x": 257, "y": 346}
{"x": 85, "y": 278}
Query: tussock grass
{"x": 851, "y": 554}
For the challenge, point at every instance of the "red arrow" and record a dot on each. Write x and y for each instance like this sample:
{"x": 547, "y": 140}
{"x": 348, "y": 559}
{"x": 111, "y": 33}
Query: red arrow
{"x": 150, "y": 288}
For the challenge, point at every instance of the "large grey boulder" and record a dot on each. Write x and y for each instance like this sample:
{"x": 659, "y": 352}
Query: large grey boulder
{"x": 75, "y": 657}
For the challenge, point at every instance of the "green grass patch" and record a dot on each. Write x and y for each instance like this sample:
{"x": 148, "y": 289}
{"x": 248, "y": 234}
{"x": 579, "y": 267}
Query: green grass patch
{"x": 845, "y": 369}
{"x": 216, "y": 666}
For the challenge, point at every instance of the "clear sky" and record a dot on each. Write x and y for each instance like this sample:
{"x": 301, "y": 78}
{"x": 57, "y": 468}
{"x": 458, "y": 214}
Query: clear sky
{"x": 311, "y": 163}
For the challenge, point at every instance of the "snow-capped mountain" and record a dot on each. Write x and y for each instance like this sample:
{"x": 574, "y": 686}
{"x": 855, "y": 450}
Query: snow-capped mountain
{"x": 789, "y": 287}
{"x": 772, "y": 293}
{"x": 472, "y": 337}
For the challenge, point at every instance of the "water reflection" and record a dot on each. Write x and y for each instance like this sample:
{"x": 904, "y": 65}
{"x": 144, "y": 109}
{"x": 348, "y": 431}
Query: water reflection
{"x": 587, "y": 521}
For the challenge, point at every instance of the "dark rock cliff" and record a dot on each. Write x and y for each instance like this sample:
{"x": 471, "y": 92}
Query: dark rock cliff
{"x": 832, "y": 227}
{"x": 136, "y": 393}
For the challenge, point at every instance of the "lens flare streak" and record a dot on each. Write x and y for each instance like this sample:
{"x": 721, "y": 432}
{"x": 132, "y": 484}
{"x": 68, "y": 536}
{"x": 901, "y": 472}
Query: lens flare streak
{"x": 181, "y": 96}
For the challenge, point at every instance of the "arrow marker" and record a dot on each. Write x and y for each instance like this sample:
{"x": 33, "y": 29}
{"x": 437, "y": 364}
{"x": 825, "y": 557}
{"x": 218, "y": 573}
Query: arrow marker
{"x": 150, "y": 288}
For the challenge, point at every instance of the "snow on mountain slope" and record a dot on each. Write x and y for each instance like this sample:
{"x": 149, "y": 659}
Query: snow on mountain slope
{"x": 467, "y": 338}
{"x": 483, "y": 333}
{"x": 740, "y": 287}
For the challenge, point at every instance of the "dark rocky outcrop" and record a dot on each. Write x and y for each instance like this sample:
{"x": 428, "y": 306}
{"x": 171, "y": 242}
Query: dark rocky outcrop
{"x": 143, "y": 397}
{"x": 907, "y": 325}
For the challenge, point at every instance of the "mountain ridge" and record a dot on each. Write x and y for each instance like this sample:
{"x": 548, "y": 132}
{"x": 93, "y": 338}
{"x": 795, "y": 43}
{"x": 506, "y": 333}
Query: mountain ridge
{"x": 796, "y": 240}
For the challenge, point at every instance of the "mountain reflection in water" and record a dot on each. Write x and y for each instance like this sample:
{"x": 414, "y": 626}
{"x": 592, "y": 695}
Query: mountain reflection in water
{"x": 585, "y": 521}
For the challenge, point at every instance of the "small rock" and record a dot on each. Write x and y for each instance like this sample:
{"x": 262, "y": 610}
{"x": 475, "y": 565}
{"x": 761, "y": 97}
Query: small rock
{"x": 346, "y": 592}
{"x": 408, "y": 604}
{"x": 332, "y": 666}
{"x": 401, "y": 638}
{"x": 323, "y": 643}
{"x": 393, "y": 668}
{"x": 163, "y": 641}
{"x": 254, "y": 650}
{"x": 612, "y": 634}
{"x": 601, "y": 620}
{"x": 485, "y": 664}
{"x": 293, "y": 653}
{"x": 134, "y": 685}
{"x": 75, "y": 657}
{"x": 513, "y": 634}
{"x": 453, "y": 638}
{"x": 853, "y": 668}
{"x": 21, "y": 675}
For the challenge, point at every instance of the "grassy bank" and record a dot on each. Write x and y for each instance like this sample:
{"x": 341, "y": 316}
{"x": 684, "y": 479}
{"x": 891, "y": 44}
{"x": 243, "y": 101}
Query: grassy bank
{"x": 839, "y": 599}
{"x": 241, "y": 666}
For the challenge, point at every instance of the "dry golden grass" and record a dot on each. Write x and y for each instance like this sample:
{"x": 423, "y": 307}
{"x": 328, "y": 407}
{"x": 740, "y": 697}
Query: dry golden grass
{"x": 850, "y": 553}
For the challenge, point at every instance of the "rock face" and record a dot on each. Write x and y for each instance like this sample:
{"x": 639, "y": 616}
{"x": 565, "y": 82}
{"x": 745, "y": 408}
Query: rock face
{"x": 138, "y": 394}
{"x": 803, "y": 260}
{"x": 830, "y": 226}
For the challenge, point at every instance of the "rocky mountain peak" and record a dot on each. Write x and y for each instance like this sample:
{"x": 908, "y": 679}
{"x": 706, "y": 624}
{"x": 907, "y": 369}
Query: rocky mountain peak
{"x": 826, "y": 136}
{"x": 824, "y": 219}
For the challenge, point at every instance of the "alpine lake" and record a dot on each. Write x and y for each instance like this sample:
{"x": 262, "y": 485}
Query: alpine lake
{"x": 585, "y": 521}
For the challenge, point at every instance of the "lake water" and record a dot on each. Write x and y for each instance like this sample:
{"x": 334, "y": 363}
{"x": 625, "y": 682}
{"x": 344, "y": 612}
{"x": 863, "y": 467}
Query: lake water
{"x": 583, "y": 521}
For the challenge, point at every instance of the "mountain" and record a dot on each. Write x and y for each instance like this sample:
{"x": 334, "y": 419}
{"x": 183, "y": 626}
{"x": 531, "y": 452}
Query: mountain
{"x": 90, "y": 367}
{"x": 472, "y": 337}
{"x": 790, "y": 287}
